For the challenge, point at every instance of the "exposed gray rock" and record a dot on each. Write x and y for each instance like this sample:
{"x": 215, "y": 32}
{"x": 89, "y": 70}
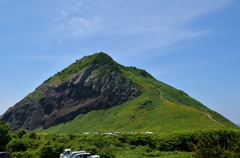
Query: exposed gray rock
{"x": 62, "y": 102}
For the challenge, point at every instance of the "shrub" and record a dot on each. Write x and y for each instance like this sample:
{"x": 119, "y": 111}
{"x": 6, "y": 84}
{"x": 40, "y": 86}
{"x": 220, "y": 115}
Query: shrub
{"x": 16, "y": 145}
{"x": 32, "y": 135}
{"x": 106, "y": 154}
{"x": 29, "y": 154}
{"x": 50, "y": 151}
{"x": 91, "y": 149}
{"x": 4, "y": 135}
{"x": 222, "y": 143}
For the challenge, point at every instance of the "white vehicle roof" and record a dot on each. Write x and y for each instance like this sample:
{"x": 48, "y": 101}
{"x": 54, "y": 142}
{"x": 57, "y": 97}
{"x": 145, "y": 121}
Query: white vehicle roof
{"x": 78, "y": 152}
{"x": 94, "y": 156}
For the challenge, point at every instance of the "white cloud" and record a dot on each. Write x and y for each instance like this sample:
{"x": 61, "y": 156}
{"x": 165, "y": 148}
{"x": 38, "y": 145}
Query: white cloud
{"x": 193, "y": 9}
{"x": 166, "y": 25}
{"x": 186, "y": 35}
{"x": 64, "y": 14}
{"x": 74, "y": 20}
{"x": 80, "y": 26}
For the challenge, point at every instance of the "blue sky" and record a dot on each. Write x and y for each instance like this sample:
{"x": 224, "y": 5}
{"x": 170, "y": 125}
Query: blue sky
{"x": 191, "y": 45}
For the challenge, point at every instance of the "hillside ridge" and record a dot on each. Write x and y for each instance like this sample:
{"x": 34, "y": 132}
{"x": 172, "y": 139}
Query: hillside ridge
{"x": 98, "y": 84}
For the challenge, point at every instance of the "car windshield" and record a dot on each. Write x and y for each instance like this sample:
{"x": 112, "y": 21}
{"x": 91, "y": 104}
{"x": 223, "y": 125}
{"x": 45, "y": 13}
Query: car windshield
{"x": 85, "y": 156}
{"x": 66, "y": 153}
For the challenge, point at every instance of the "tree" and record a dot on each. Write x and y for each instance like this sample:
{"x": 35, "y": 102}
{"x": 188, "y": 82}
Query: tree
{"x": 50, "y": 150}
{"x": 4, "y": 135}
{"x": 17, "y": 144}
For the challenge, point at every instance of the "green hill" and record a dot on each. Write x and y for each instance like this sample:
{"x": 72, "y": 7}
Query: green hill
{"x": 159, "y": 108}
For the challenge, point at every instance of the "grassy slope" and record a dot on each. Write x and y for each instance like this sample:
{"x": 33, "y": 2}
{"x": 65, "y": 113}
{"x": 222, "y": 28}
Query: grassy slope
{"x": 129, "y": 117}
{"x": 159, "y": 108}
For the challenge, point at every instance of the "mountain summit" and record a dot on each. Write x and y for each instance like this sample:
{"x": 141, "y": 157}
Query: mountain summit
{"x": 97, "y": 82}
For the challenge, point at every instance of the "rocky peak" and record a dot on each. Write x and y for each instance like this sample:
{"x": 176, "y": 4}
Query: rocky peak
{"x": 91, "y": 83}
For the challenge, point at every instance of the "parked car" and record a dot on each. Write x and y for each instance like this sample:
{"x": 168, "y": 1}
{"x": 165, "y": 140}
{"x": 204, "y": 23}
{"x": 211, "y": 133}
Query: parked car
{"x": 69, "y": 154}
{"x": 82, "y": 155}
{"x": 5, "y": 154}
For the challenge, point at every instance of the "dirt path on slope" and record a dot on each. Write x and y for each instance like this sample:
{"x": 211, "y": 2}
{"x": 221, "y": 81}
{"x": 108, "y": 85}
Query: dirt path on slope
{"x": 159, "y": 89}
{"x": 210, "y": 117}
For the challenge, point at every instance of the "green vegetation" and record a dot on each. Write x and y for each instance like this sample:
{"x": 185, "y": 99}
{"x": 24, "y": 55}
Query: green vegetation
{"x": 184, "y": 144}
{"x": 35, "y": 95}
{"x": 142, "y": 114}
{"x": 159, "y": 108}
{"x": 4, "y": 135}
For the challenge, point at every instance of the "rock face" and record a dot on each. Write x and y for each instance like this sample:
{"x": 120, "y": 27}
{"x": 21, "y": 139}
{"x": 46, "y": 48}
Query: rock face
{"x": 82, "y": 92}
